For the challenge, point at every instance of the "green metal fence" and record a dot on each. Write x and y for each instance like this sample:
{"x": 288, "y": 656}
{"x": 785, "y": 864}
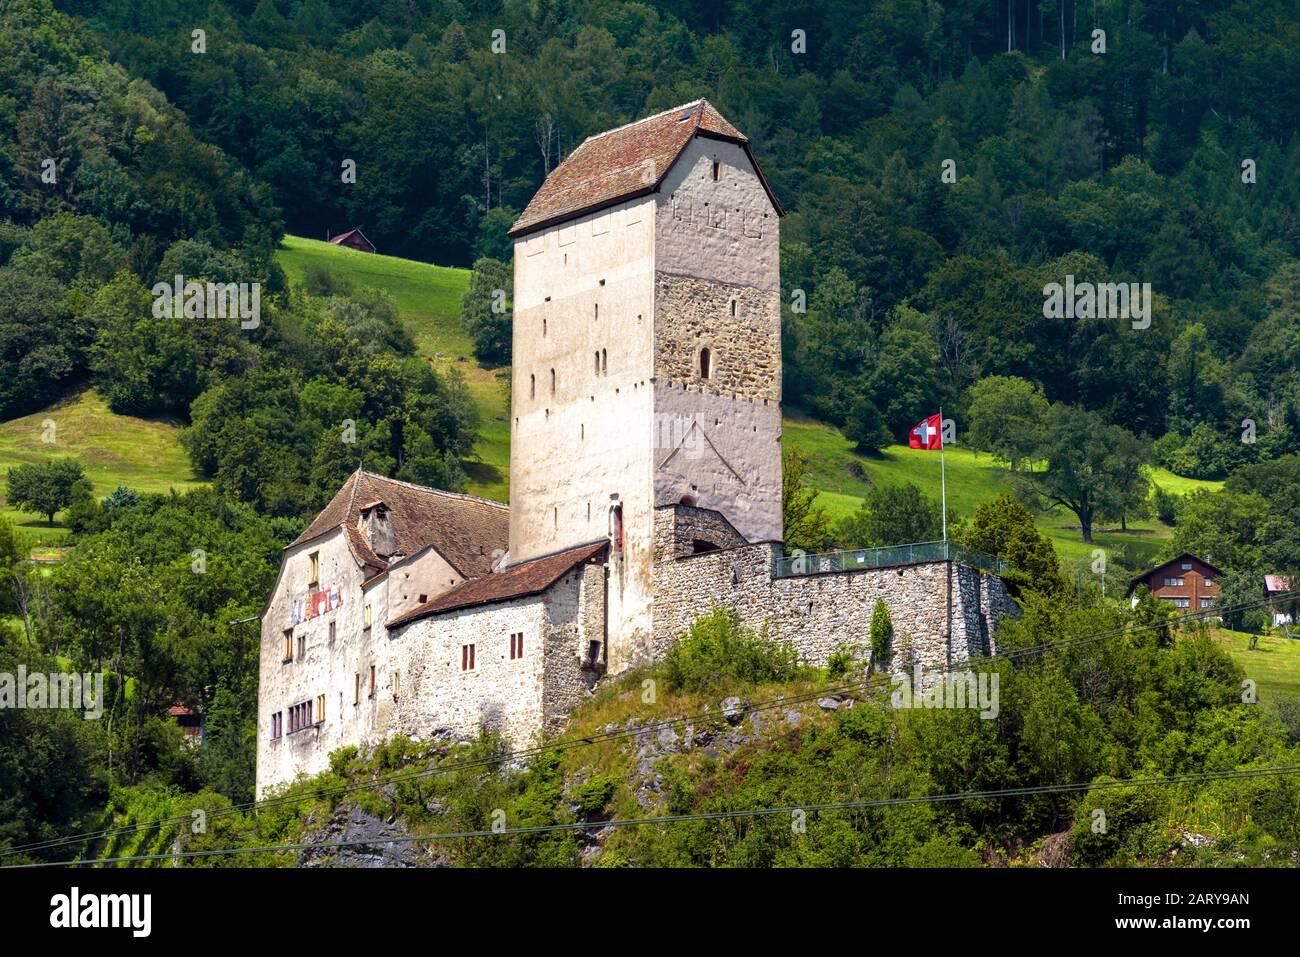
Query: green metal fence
{"x": 807, "y": 563}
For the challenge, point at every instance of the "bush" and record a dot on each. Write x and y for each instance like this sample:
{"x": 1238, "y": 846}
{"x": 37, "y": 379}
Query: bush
{"x": 882, "y": 631}
{"x": 1165, "y": 504}
{"x": 840, "y": 662}
{"x": 718, "y": 647}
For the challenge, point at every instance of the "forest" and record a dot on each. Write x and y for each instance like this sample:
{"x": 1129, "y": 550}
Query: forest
{"x": 941, "y": 162}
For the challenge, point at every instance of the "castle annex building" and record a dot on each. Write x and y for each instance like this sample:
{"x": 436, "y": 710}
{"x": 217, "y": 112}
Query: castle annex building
{"x": 645, "y": 483}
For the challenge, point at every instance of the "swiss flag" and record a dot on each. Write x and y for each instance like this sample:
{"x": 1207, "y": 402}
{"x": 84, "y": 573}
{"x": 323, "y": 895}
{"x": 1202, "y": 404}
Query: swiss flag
{"x": 926, "y": 434}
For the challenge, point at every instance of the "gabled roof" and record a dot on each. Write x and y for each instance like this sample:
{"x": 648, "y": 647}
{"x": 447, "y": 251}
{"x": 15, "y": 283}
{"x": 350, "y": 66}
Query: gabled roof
{"x": 519, "y": 581}
{"x": 355, "y": 231}
{"x": 1141, "y": 579}
{"x": 464, "y": 530}
{"x": 629, "y": 161}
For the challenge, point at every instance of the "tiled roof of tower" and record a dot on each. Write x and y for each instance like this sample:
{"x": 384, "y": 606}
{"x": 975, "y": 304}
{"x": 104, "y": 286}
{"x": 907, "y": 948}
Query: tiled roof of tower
{"x": 519, "y": 581}
{"x": 465, "y": 530}
{"x": 625, "y": 162}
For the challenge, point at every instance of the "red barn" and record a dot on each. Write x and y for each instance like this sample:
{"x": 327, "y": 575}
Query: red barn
{"x": 1187, "y": 582}
{"x": 354, "y": 239}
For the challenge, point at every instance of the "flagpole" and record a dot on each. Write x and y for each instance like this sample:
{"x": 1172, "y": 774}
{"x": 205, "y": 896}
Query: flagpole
{"x": 943, "y": 486}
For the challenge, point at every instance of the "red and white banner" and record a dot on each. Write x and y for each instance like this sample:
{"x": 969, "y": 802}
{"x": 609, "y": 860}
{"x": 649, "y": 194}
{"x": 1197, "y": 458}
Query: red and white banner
{"x": 927, "y": 434}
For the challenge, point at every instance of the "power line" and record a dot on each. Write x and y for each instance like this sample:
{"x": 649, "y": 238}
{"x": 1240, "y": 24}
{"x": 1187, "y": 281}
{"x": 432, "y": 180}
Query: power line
{"x": 1083, "y": 786}
{"x": 866, "y": 687}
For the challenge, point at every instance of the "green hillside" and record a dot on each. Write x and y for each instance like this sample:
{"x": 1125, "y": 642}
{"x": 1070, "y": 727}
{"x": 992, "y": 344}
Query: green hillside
{"x": 1274, "y": 664}
{"x": 428, "y": 300}
{"x": 972, "y": 478}
{"x": 113, "y": 449}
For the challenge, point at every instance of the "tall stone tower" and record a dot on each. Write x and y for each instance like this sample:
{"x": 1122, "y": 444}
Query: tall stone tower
{"x": 647, "y": 350}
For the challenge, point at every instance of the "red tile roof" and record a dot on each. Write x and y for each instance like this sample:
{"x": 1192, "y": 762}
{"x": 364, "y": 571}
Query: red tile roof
{"x": 465, "y": 530}
{"x": 625, "y": 162}
{"x": 518, "y": 581}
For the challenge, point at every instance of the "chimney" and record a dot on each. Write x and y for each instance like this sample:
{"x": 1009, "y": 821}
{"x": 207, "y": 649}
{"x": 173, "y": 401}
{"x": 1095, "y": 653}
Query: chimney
{"x": 377, "y": 526}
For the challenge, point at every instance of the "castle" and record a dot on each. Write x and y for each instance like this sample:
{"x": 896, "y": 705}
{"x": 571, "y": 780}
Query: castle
{"x": 645, "y": 483}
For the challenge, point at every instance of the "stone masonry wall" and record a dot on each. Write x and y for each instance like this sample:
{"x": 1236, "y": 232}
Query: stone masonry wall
{"x": 679, "y": 527}
{"x": 820, "y": 613}
{"x": 746, "y": 347}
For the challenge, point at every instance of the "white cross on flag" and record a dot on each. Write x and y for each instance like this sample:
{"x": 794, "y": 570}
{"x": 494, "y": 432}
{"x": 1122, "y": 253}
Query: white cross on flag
{"x": 927, "y": 434}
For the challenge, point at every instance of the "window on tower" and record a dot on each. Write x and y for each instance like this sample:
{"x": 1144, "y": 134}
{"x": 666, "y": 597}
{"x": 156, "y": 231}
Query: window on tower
{"x": 706, "y": 363}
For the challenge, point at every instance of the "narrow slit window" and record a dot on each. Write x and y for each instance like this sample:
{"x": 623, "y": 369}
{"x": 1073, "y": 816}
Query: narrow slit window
{"x": 706, "y": 363}
{"x": 715, "y": 171}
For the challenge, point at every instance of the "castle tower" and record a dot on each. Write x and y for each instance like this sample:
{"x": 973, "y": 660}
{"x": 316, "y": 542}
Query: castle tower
{"x": 647, "y": 350}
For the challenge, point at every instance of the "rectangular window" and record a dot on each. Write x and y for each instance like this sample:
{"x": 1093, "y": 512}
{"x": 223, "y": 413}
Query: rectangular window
{"x": 372, "y": 681}
{"x": 466, "y": 657}
{"x": 1182, "y": 602}
{"x": 277, "y": 724}
{"x": 320, "y": 709}
{"x": 302, "y": 647}
{"x": 314, "y": 558}
{"x": 356, "y": 691}
{"x": 331, "y": 632}
{"x": 366, "y": 616}
{"x": 1187, "y": 566}
{"x": 1207, "y": 602}
{"x": 288, "y": 644}
{"x": 1209, "y": 582}
{"x": 397, "y": 684}
{"x": 300, "y": 715}
{"x": 516, "y": 645}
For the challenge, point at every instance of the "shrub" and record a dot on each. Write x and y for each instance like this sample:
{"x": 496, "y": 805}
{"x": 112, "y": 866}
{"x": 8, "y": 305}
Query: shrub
{"x": 718, "y": 646}
{"x": 882, "y": 631}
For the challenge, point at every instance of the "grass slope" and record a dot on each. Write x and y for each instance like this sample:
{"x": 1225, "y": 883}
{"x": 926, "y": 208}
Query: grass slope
{"x": 1274, "y": 665}
{"x": 428, "y": 300}
{"x": 114, "y": 450}
{"x": 972, "y": 478}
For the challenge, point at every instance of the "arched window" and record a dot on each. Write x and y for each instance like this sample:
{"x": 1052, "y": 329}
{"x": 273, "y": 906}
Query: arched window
{"x": 688, "y": 500}
{"x": 706, "y": 363}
